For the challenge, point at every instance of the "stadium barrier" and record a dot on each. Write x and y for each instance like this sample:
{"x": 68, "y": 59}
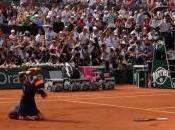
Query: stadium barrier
{"x": 123, "y": 76}
{"x": 9, "y": 75}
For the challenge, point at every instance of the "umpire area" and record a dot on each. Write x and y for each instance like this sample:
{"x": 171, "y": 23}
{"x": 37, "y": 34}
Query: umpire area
{"x": 104, "y": 110}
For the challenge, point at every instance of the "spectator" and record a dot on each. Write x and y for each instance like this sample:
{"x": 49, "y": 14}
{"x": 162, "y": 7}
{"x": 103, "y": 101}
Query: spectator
{"x": 91, "y": 32}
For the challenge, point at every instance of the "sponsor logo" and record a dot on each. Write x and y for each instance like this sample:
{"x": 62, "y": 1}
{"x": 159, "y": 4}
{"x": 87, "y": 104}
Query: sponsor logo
{"x": 160, "y": 76}
{"x": 11, "y": 79}
{"x": 8, "y": 79}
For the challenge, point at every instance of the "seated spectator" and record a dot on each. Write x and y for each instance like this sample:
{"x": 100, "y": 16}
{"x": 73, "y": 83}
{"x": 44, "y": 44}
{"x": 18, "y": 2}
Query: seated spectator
{"x": 112, "y": 32}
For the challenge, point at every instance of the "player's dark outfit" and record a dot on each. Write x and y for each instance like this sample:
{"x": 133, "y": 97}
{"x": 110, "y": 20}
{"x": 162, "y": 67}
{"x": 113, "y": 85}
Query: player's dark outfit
{"x": 27, "y": 105}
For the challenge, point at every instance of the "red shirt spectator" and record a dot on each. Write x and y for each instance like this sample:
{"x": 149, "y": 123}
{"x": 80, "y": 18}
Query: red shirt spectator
{"x": 146, "y": 22}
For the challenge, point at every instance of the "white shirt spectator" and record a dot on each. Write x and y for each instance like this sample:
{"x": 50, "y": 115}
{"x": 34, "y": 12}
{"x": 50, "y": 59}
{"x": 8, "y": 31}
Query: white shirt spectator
{"x": 136, "y": 33}
{"x": 1, "y": 19}
{"x": 96, "y": 14}
{"x": 158, "y": 4}
{"x": 23, "y": 1}
{"x": 1, "y": 42}
{"x": 92, "y": 37}
{"x": 110, "y": 41}
{"x": 22, "y": 55}
{"x": 154, "y": 23}
{"x": 39, "y": 38}
{"x": 83, "y": 37}
{"x": 128, "y": 23}
{"x": 75, "y": 35}
{"x": 139, "y": 19}
{"x": 105, "y": 16}
{"x": 91, "y": 2}
{"x": 122, "y": 12}
{"x": 50, "y": 35}
{"x": 173, "y": 16}
{"x": 45, "y": 10}
{"x": 159, "y": 14}
{"x": 164, "y": 26}
{"x": 105, "y": 55}
{"x": 12, "y": 21}
{"x": 65, "y": 16}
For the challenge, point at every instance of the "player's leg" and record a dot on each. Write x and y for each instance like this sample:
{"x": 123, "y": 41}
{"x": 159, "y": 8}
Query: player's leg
{"x": 14, "y": 114}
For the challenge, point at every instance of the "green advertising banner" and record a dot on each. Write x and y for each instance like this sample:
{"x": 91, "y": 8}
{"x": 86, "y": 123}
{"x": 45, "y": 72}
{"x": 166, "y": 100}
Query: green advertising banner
{"x": 160, "y": 69}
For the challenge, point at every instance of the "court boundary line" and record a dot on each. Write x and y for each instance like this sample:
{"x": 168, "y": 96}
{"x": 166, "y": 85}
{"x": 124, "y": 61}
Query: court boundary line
{"x": 155, "y": 108}
{"x": 104, "y": 104}
{"x": 99, "y": 104}
{"x": 112, "y": 105}
{"x": 112, "y": 97}
{"x": 93, "y": 96}
{"x": 118, "y": 106}
{"x": 88, "y": 98}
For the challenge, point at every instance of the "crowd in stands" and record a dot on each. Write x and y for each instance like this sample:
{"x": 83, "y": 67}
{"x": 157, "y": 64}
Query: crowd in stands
{"x": 117, "y": 33}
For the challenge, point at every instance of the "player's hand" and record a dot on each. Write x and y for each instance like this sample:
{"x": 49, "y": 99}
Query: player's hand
{"x": 44, "y": 95}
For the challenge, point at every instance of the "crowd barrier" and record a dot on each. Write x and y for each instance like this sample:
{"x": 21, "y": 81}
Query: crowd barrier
{"x": 9, "y": 76}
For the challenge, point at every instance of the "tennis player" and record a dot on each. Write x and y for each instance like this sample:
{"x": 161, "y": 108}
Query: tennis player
{"x": 27, "y": 109}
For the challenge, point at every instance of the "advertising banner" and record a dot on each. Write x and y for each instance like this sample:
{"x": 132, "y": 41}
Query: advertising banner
{"x": 160, "y": 69}
{"x": 9, "y": 77}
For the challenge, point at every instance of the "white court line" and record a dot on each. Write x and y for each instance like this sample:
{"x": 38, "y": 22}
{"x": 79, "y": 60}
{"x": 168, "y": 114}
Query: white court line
{"x": 105, "y": 97}
{"x": 68, "y": 95}
{"x": 116, "y": 97}
{"x": 92, "y": 95}
{"x": 8, "y": 98}
{"x": 161, "y": 108}
{"x": 100, "y": 104}
{"x": 8, "y": 102}
{"x": 116, "y": 106}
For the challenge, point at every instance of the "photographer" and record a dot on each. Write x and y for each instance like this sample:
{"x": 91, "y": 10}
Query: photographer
{"x": 95, "y": 53}
{"x": 76, "y": 55}
{"x": 105, "y": 57}
{"x": 85, "y": 55}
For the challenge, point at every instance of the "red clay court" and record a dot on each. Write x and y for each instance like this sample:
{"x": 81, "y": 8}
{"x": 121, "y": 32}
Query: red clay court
{"x": 98, "y": 110}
